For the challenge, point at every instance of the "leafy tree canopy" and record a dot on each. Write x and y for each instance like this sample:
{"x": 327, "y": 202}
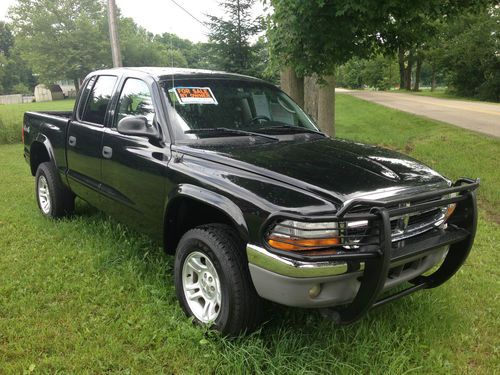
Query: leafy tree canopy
{"x": 61, "y": 38}
{"x": 317, "y": 35}
{"x": 14, "y": 71}
{"x": 6, "y": 38}
{"x": 140, "y": 47}
{"x": 470, "y": 55}
{"x": 196, "y": 54}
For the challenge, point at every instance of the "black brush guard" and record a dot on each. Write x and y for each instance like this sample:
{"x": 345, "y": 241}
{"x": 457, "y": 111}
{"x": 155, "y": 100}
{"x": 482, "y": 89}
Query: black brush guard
{"x": 459, "y": 235}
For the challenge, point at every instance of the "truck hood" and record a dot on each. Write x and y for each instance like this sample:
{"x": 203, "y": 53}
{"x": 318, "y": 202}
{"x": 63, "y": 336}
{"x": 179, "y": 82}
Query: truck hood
{"x": 330, "y": 167}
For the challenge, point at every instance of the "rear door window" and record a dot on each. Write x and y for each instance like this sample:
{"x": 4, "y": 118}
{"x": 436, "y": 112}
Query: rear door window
{"x": 98, "y": 100}
{"x": 84, "y": 95}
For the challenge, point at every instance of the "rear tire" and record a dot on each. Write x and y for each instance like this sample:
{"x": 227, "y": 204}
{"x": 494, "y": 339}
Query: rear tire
{"x": 54, "y": 199}
{"x": 212, "y": 280}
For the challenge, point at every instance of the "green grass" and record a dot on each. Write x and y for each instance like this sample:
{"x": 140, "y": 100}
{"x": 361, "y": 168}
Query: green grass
{"x": 87, "y": 295}
{"x": 11, "y": 116}
{"x": 452, "y": 151}
{"x": 440, "y": 92}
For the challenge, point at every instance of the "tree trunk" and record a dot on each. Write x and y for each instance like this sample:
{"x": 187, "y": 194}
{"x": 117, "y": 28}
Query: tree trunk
{"x": 292, "y": 85}
{"x": 408, "y": 71}
{"x": 76, "y": 82}
{"x": 326, "y": 106}
{"x": 418, "y": 69}
{"x": 311, "y": 97}
{"x": 433, "y": 79}
{"x": 401, "y": 61}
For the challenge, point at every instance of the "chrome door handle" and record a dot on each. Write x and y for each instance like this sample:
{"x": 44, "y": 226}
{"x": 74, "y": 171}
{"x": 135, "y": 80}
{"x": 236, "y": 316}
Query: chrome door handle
{"x": 107, "y": 152}
{"x": 72, "y": 141}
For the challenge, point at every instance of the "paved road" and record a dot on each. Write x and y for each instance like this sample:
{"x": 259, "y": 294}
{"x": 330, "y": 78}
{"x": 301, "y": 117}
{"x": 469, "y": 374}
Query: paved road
{"x": 477, "y": 116}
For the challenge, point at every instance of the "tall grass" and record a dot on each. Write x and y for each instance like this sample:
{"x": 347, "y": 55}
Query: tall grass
{"x": 88, "y": 295}
{"x": 11, "y": 117}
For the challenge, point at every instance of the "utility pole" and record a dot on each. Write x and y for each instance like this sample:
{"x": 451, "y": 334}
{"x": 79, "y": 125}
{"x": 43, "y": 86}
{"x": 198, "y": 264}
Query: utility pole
{"x": 113, "y": 34}
{"x": 240, "y": 57}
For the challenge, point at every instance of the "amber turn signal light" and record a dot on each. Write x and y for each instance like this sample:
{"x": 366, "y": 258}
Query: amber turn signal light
{"x": 450, "y": 210}
{"x": 293, "y": 244}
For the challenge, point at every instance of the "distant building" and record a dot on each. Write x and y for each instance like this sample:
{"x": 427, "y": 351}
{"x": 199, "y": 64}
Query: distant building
{"x": 67, "y": 87}
{"x": 44, "y": 94}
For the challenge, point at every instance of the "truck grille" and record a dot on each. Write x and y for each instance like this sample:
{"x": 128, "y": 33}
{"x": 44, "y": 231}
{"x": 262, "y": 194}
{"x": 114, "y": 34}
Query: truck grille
{"x": 402, "y": 227}
{"x": 413, "y": 224}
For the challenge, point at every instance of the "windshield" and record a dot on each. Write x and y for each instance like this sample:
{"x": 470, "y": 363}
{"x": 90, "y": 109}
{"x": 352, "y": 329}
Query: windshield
{"x": 207, "y": 108}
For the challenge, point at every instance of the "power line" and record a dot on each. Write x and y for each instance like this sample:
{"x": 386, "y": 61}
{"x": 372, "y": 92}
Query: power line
{"x": 192, "y": 16}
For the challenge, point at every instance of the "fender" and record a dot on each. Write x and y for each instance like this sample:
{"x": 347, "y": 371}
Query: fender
{"x": 43, "y": 141}
{"x": 32, "y": 157}
{"x": 208, "y": 197}
{"x": 42, "y": 138}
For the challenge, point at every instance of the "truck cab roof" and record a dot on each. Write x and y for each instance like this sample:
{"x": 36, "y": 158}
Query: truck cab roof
{"x": 164, "y": 73}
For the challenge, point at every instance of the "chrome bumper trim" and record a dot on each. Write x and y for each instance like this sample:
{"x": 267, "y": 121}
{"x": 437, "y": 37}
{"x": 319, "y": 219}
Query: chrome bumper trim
{"x": 292, "y": 268}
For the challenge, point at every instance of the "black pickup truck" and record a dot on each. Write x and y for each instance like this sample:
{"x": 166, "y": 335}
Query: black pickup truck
{"x": 254, "y": 201}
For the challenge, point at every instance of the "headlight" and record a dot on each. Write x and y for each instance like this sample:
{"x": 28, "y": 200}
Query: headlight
{"x": 291, "y": 235}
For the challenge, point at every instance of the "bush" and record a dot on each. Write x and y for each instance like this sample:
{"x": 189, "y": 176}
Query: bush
{"x": 350, "y": 74}
{"x": 471, "y": 57}
{"x": 21, "y": 88}
{"x": 380, "y": 73}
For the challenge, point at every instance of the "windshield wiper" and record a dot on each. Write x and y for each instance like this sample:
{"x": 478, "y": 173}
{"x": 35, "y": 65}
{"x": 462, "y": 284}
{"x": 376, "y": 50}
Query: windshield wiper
{"x": 295, "y": 128}
{"x": 229, "y": 130}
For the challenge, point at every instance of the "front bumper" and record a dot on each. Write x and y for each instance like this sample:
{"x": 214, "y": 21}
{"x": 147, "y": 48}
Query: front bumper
{"x": 354, "y": 280}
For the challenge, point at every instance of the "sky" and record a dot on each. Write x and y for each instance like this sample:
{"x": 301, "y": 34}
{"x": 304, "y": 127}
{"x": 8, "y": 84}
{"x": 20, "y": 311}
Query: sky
{"x": 159, "y": 16}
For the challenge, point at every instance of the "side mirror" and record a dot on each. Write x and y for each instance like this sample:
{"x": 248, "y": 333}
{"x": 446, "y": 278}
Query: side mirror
{"x": 137, "y": 126}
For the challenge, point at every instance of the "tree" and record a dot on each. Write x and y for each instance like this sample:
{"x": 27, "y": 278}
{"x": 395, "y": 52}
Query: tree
{"x": 6, "y": 38}
{"x": 470, "y": 55}
{"x": 68, "y": 39}
{"x": 196, "y": 55}
{"x": 317, "y": 36}
{"x": 410, "y": 27}
{"x": 6, "y": 42}
{"x": 230, "y": 37}
{"x": 350, "y": 74}
{"x": 3, "y": 61}
{"x": 379, "y": 72}
{"x": 15, "y": 75}
{"x": 61, "y": 39}
{"x": 141, "y": 48}
{"x": 262, "y": 65}
{"x": 434, "y": 58}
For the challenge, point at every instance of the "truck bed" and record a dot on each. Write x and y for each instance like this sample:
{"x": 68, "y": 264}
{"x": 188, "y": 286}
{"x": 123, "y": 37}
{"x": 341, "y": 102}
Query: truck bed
{"x": 47, "y": 126}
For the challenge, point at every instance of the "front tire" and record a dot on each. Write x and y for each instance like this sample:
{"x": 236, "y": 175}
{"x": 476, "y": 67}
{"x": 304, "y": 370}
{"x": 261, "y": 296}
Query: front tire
{"x": 212, "y": 280}
{"x": 53, "y": 198}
